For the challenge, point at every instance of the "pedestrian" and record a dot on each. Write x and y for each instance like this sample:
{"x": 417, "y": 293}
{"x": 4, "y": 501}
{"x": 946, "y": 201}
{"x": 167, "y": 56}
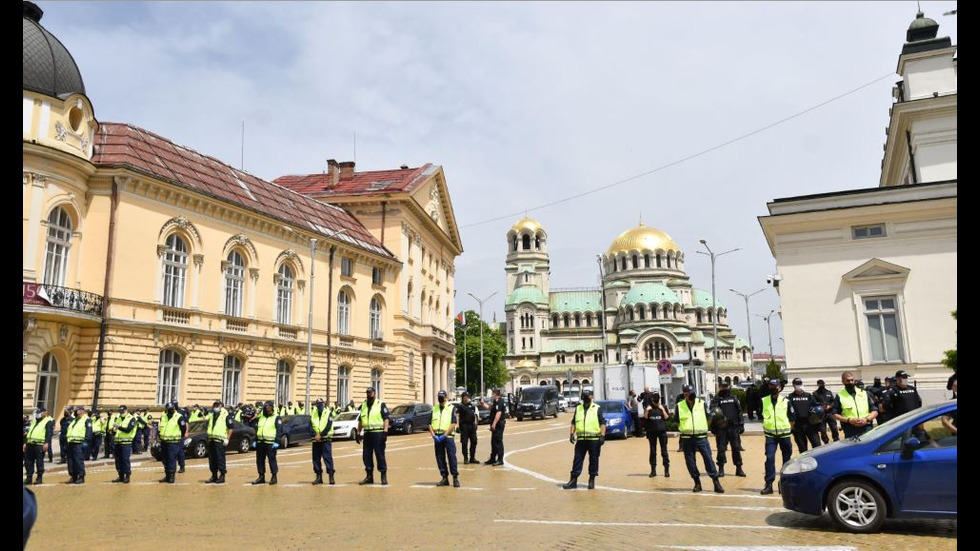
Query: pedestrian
{"x": 98, "y": 432}
{"x": 498, "y": 421}
{"x": 777, "y": 426}
{"x": 197, "y": 413}
{"x": 269, "y": 433}
{"x": 171, "y": 436}
{"x": 634, "y": 406}
{"x": 238, "y": 412}
{"x": 442, "y": 428}
{"x": 588, "y": 434}
{"x": 801, "y": 406}
{"x": 39, "y": 433}
{"x": 729, "y": 432}
{"x": 125, "y": 432}
{"x": 220, "y": 425}
{"x": 655, "y": 416}
{"x": 290, "y": 408}
{"x": 373, "y": 422}
{"x": 751, "y": 395}
{"x": 468, "y": 421}
{"x": 692, "y": 423}
{"x": 66, "y": 418}
{"x": 826, "y": 399}
{"x": 321, "y": 418}
{"x": 140, "y": 418}
{"x": 951, "y": 385}
{"x": 853, "y": 407}
{"x": 79, "y": 438}
{"x": 904, "y": 398}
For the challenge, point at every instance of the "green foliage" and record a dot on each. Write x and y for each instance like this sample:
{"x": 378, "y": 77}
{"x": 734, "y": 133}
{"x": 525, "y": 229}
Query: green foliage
{"x": 740, "y": 394}
{"x": 494, "y": 348}
{"x": 773, "y": 370}
{"x": 950, "y": 359}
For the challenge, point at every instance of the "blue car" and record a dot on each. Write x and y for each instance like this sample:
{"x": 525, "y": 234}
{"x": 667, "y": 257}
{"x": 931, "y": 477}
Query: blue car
{"x": 902, "y": 469}
{"x": 618, "y": 418}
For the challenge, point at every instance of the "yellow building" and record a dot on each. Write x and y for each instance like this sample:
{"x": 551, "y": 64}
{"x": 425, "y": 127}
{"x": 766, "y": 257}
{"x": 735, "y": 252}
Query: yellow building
{"x": 153, "y": 272}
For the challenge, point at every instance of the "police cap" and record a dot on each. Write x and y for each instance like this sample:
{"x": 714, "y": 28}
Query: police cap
{"x": 687, "y": 388}
{"x": 441, "y": 394}
{"x": 217, "y": 403}
{"x": 587, "y": 392}
{"x": 901, "y": 373}
{"x": 319, "y": 400}
{"x": 79, "y": 408}
{"x": 465, "y": 393}
{"x": 797, "y": 381}
{"x": 269, "y": 404}
{"x": 122, "y": 407}
{"x": 369, "y": 390}
{"x": 41, "y": 408}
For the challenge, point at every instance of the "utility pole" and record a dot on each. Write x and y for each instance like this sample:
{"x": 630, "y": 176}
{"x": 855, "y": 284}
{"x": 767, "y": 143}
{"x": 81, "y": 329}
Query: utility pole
{"x": 482, "y": 388}
{"x": 748, "y": 322}
{"x": 714, "y": 313}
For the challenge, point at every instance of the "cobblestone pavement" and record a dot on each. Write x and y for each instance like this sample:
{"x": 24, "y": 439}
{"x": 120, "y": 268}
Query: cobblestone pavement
{"x": 519, "y": 506}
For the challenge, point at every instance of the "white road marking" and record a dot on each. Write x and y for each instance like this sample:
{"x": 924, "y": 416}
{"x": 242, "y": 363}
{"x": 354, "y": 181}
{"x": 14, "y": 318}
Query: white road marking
{"x": 520, "y": 489}
{"x": 746, "y": 508}
{"x": 641, "y": 525}
{"x": 426, "y": 486}
{"x": 471, "y": 489}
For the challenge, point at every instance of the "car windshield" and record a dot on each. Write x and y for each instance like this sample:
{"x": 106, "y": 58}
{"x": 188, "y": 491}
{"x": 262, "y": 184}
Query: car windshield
{"x": 348, "y": 416}
{"x": 196, "y": 426}
{"x": 401, "y": 410}
{"x": 887, "y": 426}
{"x": 532, "y": 394}
{"x": 610, "y": 406}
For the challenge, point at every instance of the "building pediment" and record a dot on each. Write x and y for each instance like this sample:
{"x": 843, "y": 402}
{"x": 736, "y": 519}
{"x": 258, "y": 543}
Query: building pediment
{"x": 874, "y": 270}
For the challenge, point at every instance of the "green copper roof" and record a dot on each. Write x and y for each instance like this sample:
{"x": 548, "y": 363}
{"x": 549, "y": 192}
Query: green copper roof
{"x": 741, "y": 343}
{"x": 572, "y": 345}
{"x": 527, "y": 293}
{"x": 702, "y": 298}
{"x": 709, "y": 342}
{"x": 617, "y": 283}
{"x": 575, "y": 301}
{"x": 649, "y": 292}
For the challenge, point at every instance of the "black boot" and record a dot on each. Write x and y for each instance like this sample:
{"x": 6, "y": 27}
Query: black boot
{"x": 221, "y": 478}
{"x": 71, "y": 480}
{"x": 181, "y": 470}
{"x": 27, "y": 481}
{"x": 119, "y": 478}
{"x": 273, "y": 479}
{"x": 443, "y": 482}
{"x": 667, "y": 471}
{"x": 721, "y": 470}
{"x": 592, "y": 482}
{"x": 767, "y": 490}
{"x": 653, "y": 472}
{"x": 739, "y": 471}
{"x": 369, "y": 479}
{"x": 697, "y": 486}
{"x": 455, "y": 482}
{"x": 318, "y": 479}
{"x": 126, "y": 479}
{"x": 384, "y": 478}
{"x": 259, "y": 480}
{"x": 571, "y": 484}
{"x": 717, "y": 484}
{"x": 171, "y": 478}
{"x": 80, "y": 479}
{"x": 213, "y": 479}
{"x": 330, "y": 475}
{"x": 166, "y": 477}
{"x": 38, "y": 479}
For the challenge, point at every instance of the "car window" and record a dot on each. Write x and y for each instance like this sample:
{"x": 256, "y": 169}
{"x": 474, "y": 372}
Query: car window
{"x": 938, "y": 432}
{"x": 426, "y": 408}
{"x": 893, "y": 445}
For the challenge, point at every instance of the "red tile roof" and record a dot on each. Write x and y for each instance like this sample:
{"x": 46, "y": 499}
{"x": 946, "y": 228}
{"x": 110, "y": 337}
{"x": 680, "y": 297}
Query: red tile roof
{"x": 368, "y": 182}
{"x": 145, "y": 152}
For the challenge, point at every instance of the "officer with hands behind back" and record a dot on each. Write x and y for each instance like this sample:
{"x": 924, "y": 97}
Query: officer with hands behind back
{"x": 729, "y": 428}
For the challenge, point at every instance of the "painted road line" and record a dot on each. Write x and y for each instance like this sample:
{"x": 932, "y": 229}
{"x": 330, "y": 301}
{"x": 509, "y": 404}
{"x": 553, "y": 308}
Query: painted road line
{"x": 641, "y": 524}
{"x": 426, "y": 486}
{"x": 471, "y": 489}
{"x": 745, "y": 508}
{"x": 521, "y": 489}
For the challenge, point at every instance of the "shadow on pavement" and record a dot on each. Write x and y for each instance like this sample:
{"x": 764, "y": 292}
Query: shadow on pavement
{"x": 908, "y": 527}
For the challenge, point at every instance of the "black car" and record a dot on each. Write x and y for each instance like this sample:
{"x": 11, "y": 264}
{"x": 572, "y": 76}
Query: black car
{"x": 408, "y": 418}
{"x": 196, "y": 443}
{"x": 538, "y": 401}
{"x": 295, "y": 430}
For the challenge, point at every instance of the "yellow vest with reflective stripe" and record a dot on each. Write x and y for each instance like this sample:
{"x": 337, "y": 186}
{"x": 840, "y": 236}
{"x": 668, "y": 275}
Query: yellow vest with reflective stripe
{"x": 442, "y": 418}
{"x": 111, "y": 424}
{"x": 775, "y": 419}
{"x": 35, "y": 434}
{"x": 76, "y": 430}
{"x": 266, "y": 428}
{"x": 692, "y": 423}
{"x": 238, "y": 416}
{"x": 586, "y": 427}
{"x": 170, "y": 429}
{"x": 218, "y": 428}
{"x": 98, "y": 426}
{"x": 371, "y": 418}
{"x": 124, "y": 437}
{"x": 853, "y": 406}
{"x": 320, "y": 420}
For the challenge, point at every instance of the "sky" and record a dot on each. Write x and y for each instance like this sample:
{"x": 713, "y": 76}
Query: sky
{"x": 524, "y": 105}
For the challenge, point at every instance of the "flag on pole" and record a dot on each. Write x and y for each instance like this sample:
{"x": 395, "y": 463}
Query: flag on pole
{"x": 461, "y": 319}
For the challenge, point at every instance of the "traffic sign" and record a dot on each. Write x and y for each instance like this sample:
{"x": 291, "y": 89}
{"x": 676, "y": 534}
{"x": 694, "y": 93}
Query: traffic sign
{"x": 665, "y": 379}
{"x": 664, "y": 366}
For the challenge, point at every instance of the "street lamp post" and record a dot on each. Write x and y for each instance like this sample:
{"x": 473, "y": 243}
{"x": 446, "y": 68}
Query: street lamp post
{"x": 714, "y": 314}
{"x": 602, "y": 326}
{"x": 748, "y": 323}
{"x": 482, "y": 389}
{"x": 769, "y": 328}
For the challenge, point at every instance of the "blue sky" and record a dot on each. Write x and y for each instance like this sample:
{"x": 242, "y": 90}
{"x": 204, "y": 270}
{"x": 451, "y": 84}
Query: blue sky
{"x": 523, "y": 104}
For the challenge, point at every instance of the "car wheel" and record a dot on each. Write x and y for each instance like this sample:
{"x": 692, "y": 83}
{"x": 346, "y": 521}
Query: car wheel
{"x": 244, "y": 445}
{"x": 285, "y": 442}
{"x": 200, "y": 449}
{"x": 555, "y": 415}
{"x": 409, "y": 428}
{"x": 857, "y": 506}
{"x": 519, "y": 418}
{"x": 353, "y": 434}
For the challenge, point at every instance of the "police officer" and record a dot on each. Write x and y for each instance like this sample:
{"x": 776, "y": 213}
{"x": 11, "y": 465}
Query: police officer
{"x": 220, "y": 425}
{"x": 877, "y": 392}
{"x": 655, "y": 415}
{"x": 172, "y": 429}
{"x": 140, "y": 427}
{"x": 197, "y": 413}
{"x": 498, "y": 421}
{"x": 321, "y": 418}
{"x": 588, "y": 433}
{"x": 442, "y": 429}
{"x": 110, "y": 435}
{"x": 468, "y": 421}
{"x": 269, "y": 433}
{"x": 853, "y": 407}
{"x": 125, "y": 432}
{"x": 374, "y": 424}
{"x": 39, "y": 434}
{"x": 98, "y": 431}
{"x": 904, "y": 398}
{"x": 181, "y": 453}
{"x": 692, "y": 423}
{"x": 301, "y": 408}
{"x": 825, "y": 398}
{"x": 777, "y": 426}
{"x": 801, "y": 404}
{"x": 731, "y": 430}
{"x": 66, "y": 418}
{"x": 79, "y": 438}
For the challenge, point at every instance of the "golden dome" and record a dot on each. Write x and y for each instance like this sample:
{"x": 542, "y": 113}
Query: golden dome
{"x": 642, "y": 238}
{"x": 526, "y": 364}
{"x": 526, "y": 223}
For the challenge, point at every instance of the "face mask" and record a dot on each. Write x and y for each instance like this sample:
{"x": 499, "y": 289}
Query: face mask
{"x": 216, "y": 410}
{"x": 319, "y": 407}
{"x": 774, "y": 390}
{"x": 797, "y": 387}
{"x": 38, "y": 415}
{"x": 723, "y": 392}
{"x": 850, "y": 388}
{"x": 442, "y": 400}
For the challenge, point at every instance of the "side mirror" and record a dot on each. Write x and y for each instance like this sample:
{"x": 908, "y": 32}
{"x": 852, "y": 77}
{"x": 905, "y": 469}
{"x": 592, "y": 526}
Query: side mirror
{"x": 909, "y": 446}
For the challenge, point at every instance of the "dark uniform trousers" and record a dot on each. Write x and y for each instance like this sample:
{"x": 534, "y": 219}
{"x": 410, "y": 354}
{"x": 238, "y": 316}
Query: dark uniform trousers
{"x": 63, "y": 444}
{"x": 653, "y": 437}
{"x": 34, "y": 457}
{"x": 725, "y": 436}
{"x": 263, "y": 450}
{"x": 692, "y": 446}
{"x": 181, "y": 455}
{"x": 170, "y": 455}
{"x": 109, "y": 444}
{"x": 374, "y": 447}
{"x": 581, "y": 447}
{"x": 497, "y": 443}
{"x": 445, "y": 448}
{"x": 122, "y": 453}
{"x": 785, "y": 446}
{"x": 323, "y": 450}
{"x": 804, "y": 432}
{"x": 76, "y": 459}
{"x": 468, "y": 440}
{"x": 832, "y": 423}
{"x": 93, "y": 452}
{"x": 216, "y": 457}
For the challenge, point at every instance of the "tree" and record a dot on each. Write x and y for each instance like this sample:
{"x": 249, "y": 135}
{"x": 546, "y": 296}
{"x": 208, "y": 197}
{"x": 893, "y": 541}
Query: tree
{"x": 950, "y": 359}
{"x": 494, "y": 348}
{"x": 773, "y": 371}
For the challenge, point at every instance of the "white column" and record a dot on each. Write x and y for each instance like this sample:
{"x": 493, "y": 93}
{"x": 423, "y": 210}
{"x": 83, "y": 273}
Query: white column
{"x": 441, "y": 364}
{"x": 34, "y": 227}
{"x": 427, "y": 397}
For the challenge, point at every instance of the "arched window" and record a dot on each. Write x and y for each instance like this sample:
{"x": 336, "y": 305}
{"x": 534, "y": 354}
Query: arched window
{"x": 566, "y": 320}
{"x": 658, "y": 261}
{"x": 653, "y": 311}
{"x": 656, "y": 349}
{"x": 343, "y": 385}
{"x": 646, "y": 261}
{"x": 422, "y": 308}
{"x": 376, "y": 382}
{"x": 46, "y": 393}
{"x": 578, "y": 320}
{"x": 284, "y": 295}
{"x": 283, "y": 380}
{"x": 554, "y": 320}
{"x": 632, "y": 313}
{"x": 234, "y": 284}
{"x": 622, "y": 264}
{"x": 697, "y": 316}
{"x": 575, "y": 381}
{"x": 343, "y": 313}
{"x": 543, "y": 383}
{"x": 168, "y": 376}
{"x": 231, "y": 380}
{"x": 588, "y": 319}
{"x": 526, "y": 242}
{"x": 376, "y": 319}
{"x": 537, "y": 242}
{"x": 668, "y": 260}
{"x": 636, "y": 264}
{"x": 58, "y": 243}
{"x": 525, "y": 380}
{"x": 174, "y": 272}
{"x": 585, "y": 381}
{"x": 641, "y": 311}
{"x": 410, "y": 309}
{"x": 515, "y": 242}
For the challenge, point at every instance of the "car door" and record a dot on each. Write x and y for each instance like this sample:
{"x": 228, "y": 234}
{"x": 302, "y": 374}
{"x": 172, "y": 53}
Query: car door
{"x": 926, "y": 481}
{"x": 426, "y": 416}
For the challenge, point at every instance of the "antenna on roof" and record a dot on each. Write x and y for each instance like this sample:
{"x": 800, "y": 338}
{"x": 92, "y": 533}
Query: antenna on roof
{"x": 242, "y": 165}
{"x": 641, "y": 217}
{"x": 355, "y": 147}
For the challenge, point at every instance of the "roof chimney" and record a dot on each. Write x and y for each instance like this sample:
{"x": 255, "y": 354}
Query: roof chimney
{"x": 404, "y": 167}
{"x": 347, "y": 170}
{"x": 333, "y": 173}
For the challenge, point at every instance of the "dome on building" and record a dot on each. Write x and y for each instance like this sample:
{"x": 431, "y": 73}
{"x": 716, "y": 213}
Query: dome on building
{"x": 526, "y": 223}
{"x": 48, "y": 66}
{"x": 526, "y": 364}
{"x": 702, "y": 298}
{"x": 527, "y": 293}
{"x": 649, "y": 292}
{"x": 922, "y": 28}
{"x": 642, "y": 238}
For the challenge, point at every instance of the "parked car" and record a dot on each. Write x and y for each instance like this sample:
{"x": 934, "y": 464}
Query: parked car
{"x": 562, "y": 404}
{"x": 196, "y": 443}
{"x": 619, "y": 420}
{"x": 903, "y": 468}
{"x": 345, "y": 425}
{"x": 483, "y": 409}
{"x": 408, "y": 418}
{"x": 537, "y": 401}
{"x": 296, "y": 429}
{"x": 572, "y": 395}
